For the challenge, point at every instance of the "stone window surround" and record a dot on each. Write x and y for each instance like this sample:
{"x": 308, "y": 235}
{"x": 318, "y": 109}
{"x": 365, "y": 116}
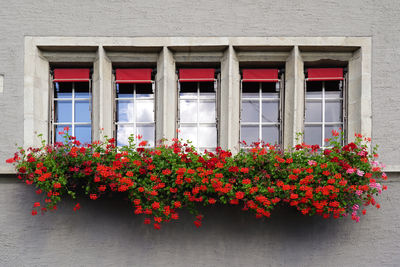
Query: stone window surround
{"x": 166, "y": 52}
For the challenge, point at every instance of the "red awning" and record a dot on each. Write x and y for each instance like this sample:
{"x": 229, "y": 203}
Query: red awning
{"x": 196, "y": 75}
{"x": 133, "y": 75}
{"x": 71, "y": 75}
{"x": 325, "y": 74}
{"x": 260, "y": 75}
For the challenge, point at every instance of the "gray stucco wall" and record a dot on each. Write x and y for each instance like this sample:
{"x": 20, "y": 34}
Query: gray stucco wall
{"x": 107, "y": 233}
{"x": 101, "y": 234}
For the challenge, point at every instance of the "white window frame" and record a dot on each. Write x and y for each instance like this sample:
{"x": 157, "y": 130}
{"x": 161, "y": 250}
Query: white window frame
{"x": 135, "y": 124}
{"x": 53, "y": 124}
{"x": 323, "y": 100}
{"x": 197, "y": 124}
{"x": 260, "y": 122}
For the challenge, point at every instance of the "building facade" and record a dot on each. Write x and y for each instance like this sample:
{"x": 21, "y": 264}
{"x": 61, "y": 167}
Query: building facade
{"x": 214, "y": 72}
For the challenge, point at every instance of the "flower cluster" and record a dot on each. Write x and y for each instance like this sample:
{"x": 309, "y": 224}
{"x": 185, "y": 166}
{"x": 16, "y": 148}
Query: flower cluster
{"x": 331, "y": 182}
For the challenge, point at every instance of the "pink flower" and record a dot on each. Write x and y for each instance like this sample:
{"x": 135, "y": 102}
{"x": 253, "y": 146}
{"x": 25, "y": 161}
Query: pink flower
{"x": 358, "y": 192}
{"x": 350, "y": 170}
{"x": 360, "y": 173}
{"x": 355, "y": 207}
{"x": 312, "y": 163}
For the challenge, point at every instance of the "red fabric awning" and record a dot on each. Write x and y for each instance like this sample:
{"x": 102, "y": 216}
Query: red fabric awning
{"x": 260, "y": 75}
{"x": 196, "y": 75}
{"x": 325, "y": 74}
{"x": 71, "y": 75}
{"x": 133, "y": 75}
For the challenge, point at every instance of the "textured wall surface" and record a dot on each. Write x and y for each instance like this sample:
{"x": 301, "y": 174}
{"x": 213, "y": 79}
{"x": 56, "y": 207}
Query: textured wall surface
{"x": 107, "y": 233}
{"x": 101, "y": 234}
{"x": 377, "y": 18}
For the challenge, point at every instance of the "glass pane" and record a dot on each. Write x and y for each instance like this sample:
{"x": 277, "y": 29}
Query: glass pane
{"x": 333, "y": 94}
{"x": 270, "y": 90}
{"x": 188, "y": 87}
{"x": 206, "y": 87}
{"x": 63, "y": 111}
{"x": 270, "y": 111}
{"x": 124, "y": 90}
{"x": 313, "y": 111}
{"x": 82, "y": 111}
{"x": 62, "y": 90}
{"x": 250, "y": 90}
{"x": 207, "y": 112}
{"x": 83, "y": 133}
{"x": 250, "y": 111}
{"x": 270, "y": 134}
{"x": 314, "y": 86}
{"x": 188, "y": 133}
{"x": 147, "y": 132}
{"x": 188, "y": 110}
{"x": 59, "y": 132}
{"x": 207, "y": 136}
{"x": 333, "y": 111}
{"x": 144, "y": 90}
{"x": 314, "y": 94}
{"x": 82, "y": 89}
{"x": 249, "y": 134}
{"x": 313, "y": 134}
{"x": 333, "y": 85}
{"x": 328, "y": 132}
{"x": 123, "y": 133}
{"x": 125, "y": 111}
{"x": 145, "y": 110}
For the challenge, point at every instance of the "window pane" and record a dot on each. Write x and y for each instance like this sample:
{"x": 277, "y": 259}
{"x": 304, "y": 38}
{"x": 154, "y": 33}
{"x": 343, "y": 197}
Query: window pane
{"x": 250, "y": 111}
{"x": 313, "y": 111}
{"x": 270, "y": 90}
{"x": 124, "y": 111}
{"x": 63, "y": 111}
{"x": 249, "y": 134}
{"x": 207, "y": 112}
{"x": 147, "y": 132}
{"x": 333, "y": 111}
{"x": 333, "y": 94}
{"x": 124, "y": 90}
{"x": 145, "y": 111}
{"x": 328, "y": 132}
{"x": 270, "y": 111}
{"x": 188, "y": 133}
{"x": 207, "y": 136}
{"x": 250, "y": 90}
{"x": 63, "y": 90}
{"x": 206, "y": 87}
{"x": 270, "y": 134}
{"x": 188, "y": 110}
{"x": 314, "y": 94}
{"x": 188, "y": 87}
{"x": 123, "y": 133}
{"x": 60, "y": 129}
{"x": 82, "y": 111}
{"x": 333, "y": 85}
{"x": 313, "y": 134}
{"x": 81, "y": 89}
{"x": 314, "y": 86}
{"x": 144, "y": 90}
{"x": 83, "y": 133}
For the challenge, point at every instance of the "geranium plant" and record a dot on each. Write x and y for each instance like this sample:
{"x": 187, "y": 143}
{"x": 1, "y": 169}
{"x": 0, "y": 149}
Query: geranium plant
{"x": 331, "y": 182}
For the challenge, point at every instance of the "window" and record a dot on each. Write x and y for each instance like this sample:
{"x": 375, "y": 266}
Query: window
{"x": 260, "y": 106}
{"x": 134, "y": 105}
{"x": 106, "y": 111}
{"x": 71, "y": 104}
{"x": 324, "y": 104}
{"x": 197, "y": 108}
